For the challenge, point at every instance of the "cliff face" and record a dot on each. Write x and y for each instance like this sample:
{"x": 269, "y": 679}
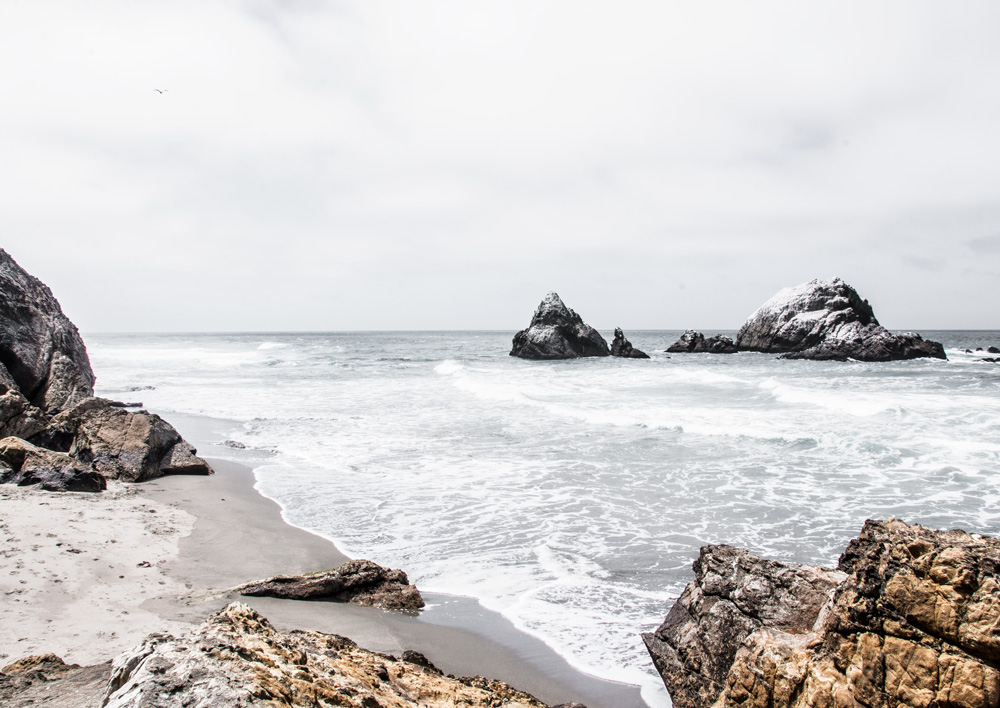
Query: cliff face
{"x": 41, "y": 352}
{"x": 912, "y": 620}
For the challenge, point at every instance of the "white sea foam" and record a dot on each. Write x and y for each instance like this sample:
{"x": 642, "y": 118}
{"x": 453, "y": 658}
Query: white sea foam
{"x": 573, "y": 496}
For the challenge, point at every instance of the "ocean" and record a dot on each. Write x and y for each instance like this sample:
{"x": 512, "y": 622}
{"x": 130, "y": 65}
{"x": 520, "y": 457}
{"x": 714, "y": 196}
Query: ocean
{"x": 573, "y": 496}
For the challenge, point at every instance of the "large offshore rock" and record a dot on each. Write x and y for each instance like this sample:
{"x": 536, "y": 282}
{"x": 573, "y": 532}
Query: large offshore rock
{"x": 360, "y": 582}
{"x": 913, "y": 621}
{"x": 695, "y": 342}
{"x": 133, "y": 447}
{"x": 24, "y": 464}
{"x": 556, "y": 332}
{"x": 42, "y": 354}
{"x": 237, "y": 659}
{"x": 827, "y": 320}
{"x": 623, "y": 348}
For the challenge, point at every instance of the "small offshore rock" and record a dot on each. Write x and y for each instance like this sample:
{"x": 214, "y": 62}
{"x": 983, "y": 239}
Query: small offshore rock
{"x": 234, "y": 444}
{"x": 828, "y": 320}
{"x": 237, "y": 659}
{"x": 623, "y": 348}
{"x": 992, "y": 350}
{"x": 695, "y": 342}
{"x": 24, "y": 464}
{"x": 124, "y": 404}
{"x": 359, "y": 582}
{"x": 557, "y": 332}
{"x": 131, "y": 446}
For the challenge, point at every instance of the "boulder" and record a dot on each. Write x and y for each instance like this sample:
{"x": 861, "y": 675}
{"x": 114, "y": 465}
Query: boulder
{"x": 360, "y": 582}
{"x": 695, "y": 342}
{"x": 131, "y": 446}
{"x": 24, "y": 464}
{"x": 236, "y": 659}
{"x": 909, "y": 619}
{"x": 556, "y": 332}
{"x": 827, "y": 320}
{"x": 42, "y": 354}
{"x": 18, "y": 417}
{"x": 623, "y": 348}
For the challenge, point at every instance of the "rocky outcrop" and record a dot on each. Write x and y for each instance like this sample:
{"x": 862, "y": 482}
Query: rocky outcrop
{"x": 41, "y": 352}
{"x": 623, "y": 348}
{"x": 24, "y": 464}
{"x": 827, "y": 320}
{"x": 120, "y": 444}
{"x": 556, "y": 332}
{"x": 18, "y": 417}
{"x": 360, "y": 582}
{"x": 237, "y": 659}
{"x": 46, "y": 680}
{"x": 695, "y": 342}
{"x": 910, "y": 621}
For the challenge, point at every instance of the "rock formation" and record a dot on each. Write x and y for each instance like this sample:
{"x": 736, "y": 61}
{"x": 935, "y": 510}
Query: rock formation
{"x": 360, "y": 582}
{"x": 695, "y": 342}
{"x": 46, "y": 680}
{"x": 41, "y": 352}
{"x": 237, "y": 659}
{"x": 623, "y": 348}
{"x": 827, "y": 320}
{"x": 125, "y": 445}
{"x": 24, "y": 464}
{"x": 556, "y": 332}
{"x": 910, "y": 619}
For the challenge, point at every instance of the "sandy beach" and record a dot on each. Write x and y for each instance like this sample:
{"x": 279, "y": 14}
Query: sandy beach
{"x": 87, "y": 576}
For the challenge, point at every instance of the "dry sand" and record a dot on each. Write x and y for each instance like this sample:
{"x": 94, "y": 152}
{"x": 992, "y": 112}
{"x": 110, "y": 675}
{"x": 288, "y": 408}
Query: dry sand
{"x": 75, "y": 581}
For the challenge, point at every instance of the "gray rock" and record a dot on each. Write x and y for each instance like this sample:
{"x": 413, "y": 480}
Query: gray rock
{"x": 623, "y": 348}
{"x": 359, "y": 582}
{"x": 46, "y": 680}
{"x": 131, "y": 446}
{"x": 18, "y": 417}
{"x": 695, "y": 342}
{"x": 556, "y": 332}
{"x": 42, "y": 354}
{"x": 24, "y": 464}
{"x": 828, "y": 320}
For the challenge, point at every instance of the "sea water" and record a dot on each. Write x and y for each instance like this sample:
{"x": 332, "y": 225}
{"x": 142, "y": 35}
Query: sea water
{"x": 573, "y": 496}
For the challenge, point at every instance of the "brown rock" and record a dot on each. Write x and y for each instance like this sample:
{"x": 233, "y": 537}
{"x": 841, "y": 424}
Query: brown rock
{"x": 236, "y": 658}
{"x": 24, "y": 464}
{"x": 18, "y": 417}
{"x": 359, "y": 582}
{"x": 131, "y": 446}
{"x": 913, "y": 622}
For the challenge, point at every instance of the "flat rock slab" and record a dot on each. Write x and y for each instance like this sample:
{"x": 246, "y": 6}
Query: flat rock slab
{"x": 359, "y": 582}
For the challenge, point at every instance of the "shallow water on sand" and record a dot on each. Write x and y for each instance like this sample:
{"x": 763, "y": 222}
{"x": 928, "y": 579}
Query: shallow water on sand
{"x": 573, "y": 496}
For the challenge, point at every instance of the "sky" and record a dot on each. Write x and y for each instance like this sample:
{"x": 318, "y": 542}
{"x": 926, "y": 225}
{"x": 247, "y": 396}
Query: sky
{"x": 324, "y": 165}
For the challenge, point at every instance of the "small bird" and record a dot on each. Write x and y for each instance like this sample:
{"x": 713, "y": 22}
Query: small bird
{"x": 161, "y": 90}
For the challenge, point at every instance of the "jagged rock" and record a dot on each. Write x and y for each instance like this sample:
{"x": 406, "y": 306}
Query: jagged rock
{"x": 360, "y": 582}
{"x": 623, "y": 348}
{"x": 18, "y": 417}
{"x": 131, "y": 446}
{"x": 42, "y": 354}
{"x": 827, "y": 320}
{"x": 556, "y": 332}
{"x": 912, "y": 621}
{"x": 24, "y": 464}
{"x": 695, "y": 342}
{"x": 237, "y": 659}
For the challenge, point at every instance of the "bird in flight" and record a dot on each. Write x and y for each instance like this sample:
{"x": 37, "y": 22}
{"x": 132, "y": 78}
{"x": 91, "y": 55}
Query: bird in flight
{"x": 161, "y": 90}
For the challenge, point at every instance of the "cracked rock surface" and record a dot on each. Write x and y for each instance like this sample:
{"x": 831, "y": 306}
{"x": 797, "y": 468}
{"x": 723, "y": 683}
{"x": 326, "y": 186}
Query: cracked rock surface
{"x": 910, "y": 620}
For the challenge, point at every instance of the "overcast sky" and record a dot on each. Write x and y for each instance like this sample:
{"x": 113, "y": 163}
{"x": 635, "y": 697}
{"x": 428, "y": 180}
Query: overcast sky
{"x": 442, "y": 165}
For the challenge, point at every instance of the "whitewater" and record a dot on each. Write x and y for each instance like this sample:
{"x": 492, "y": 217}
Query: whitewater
{"x": 573, "y": 496}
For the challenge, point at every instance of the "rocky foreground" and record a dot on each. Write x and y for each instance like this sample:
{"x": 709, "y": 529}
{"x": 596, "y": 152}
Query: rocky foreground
{"x": 910, "y": 619}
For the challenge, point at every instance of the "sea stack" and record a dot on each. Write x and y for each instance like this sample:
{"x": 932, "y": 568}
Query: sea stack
{"x": 695, "y": 342}
{"x": 908, "y": 619}
{"x": 827, "y": 319}
{"x": 556, "y": 332}
{"x": 623, "y": 348}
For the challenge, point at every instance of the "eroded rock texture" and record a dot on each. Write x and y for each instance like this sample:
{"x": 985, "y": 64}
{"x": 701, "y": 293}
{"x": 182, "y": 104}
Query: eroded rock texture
{"x": 131, "y": 446}
{"x": 695, "y": 342}
{"x": 623, "y": 348}
{"x": 913, "y": 623}
{"x": 24, "y": 464}
{"x": 46, "y": 680}
{"x": 237, "y": 659}
{"x": 41, "y": 352}
{"x": 556, "y": 332}
{"x": 360, "y": 582}
{"x": 827, "y": 320}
